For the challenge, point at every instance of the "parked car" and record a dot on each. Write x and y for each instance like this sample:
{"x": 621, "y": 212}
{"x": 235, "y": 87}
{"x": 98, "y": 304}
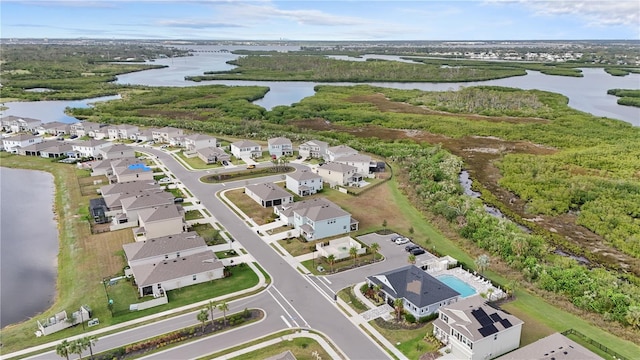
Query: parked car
{"x": 410, "y": 247}
{"x": 73, "y": 136}
{"x": 396, "y": 237}
{"x": 417, "y": 251}
{"x": 402, "y": 240}
{"x": 225, "y": 163}
{"x": 251, "y": 166}
{"x": 299, "y": 157}
{"x": 164, "y": 180}
{"x": 178, "y": 200}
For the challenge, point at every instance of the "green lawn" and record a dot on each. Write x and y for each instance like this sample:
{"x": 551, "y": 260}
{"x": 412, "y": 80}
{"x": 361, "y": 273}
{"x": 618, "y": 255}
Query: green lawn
{"x": 193, "y": 215}
{"x": 411, "y": 343}
{"x": 197, "y": 163}
{"x": 243, "y": 175}
{"x": 312, "y": 265}
{"x": 302, "y": 348}
{"x": 350, "y": 298}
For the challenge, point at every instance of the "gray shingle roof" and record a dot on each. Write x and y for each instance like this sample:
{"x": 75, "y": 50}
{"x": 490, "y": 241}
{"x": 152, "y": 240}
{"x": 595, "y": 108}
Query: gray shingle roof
{"x": 159, "y": 213}
{"x": 315, "y": 209}
{"x": 302, "y": 175}
{"x": 147, "y": 200}
{"x": 129, "y": 186}
{"x": 268, "y": 191}
{"x": 163, "y": 245}
{"x": 337, "y": 167}
{"x": 149, "y": 274}
{"x": 244, "y": 144}
{"x": 414, "y": 285}
{"x": 555, "y": 346}
{"x": 279, "y": 141}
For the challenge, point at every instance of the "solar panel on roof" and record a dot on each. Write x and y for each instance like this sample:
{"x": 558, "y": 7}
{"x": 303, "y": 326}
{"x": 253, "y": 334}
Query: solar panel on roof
{"x": 482, "y": 317}
{"x": 506, "y": 323}
{"x": 488, "y": 330}
{"x": 495, "y": 317}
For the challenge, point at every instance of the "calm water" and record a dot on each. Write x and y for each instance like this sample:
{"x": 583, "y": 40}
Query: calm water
{"x": 49, "y": 111}
{"x": 588, "y": 94}
{"x": 28, "y": 243}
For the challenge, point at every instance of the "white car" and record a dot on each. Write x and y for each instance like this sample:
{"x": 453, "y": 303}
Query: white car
{"x": 402, "y": 240}
{"x": 164, "y": 180}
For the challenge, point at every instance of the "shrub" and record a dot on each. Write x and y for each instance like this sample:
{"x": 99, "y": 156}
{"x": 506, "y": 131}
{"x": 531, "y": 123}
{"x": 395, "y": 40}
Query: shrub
{"x": 409, "y": 318}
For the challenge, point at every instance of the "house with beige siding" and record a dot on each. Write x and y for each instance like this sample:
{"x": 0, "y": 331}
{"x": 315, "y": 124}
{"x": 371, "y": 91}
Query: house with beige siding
{"x": 316, "y": 218}
{"x": 280, "y": 146}
{"x": 171, "y": 262}
{"x": 268, "y": 194}
{"x": 159, "y": 221}
{"x": 337, "y": 174}
{"x": 131, "y": 172}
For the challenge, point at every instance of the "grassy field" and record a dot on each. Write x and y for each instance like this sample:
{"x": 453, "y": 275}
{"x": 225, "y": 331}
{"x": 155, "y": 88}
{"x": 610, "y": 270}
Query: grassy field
{"x": 196, "y": 162}
{"x": 302, "y": 348}
{"x": 261, "y": 215}
{"x": 411, "y": 342}
{"x": 350, "y": 298}
{"x": 193, "y": 215}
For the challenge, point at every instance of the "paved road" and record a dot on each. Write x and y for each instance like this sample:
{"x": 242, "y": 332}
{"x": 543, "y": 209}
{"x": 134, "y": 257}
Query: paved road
{"x": 313, "y": 308}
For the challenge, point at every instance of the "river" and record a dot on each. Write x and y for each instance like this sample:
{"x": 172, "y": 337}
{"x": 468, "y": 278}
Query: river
{"x": 29, "y": 242}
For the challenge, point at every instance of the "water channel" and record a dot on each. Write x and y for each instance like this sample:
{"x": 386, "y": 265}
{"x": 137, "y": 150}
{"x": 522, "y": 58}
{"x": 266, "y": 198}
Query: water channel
{"x": 28, "y": 283}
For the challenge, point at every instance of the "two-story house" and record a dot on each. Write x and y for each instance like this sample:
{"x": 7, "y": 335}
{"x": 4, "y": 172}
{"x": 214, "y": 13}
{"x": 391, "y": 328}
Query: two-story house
{"x": 14, "y": 143}
{"x": 421, "y": 293}
{"x": 304, "y": 182}
{"x": 194, "y": 142}
{"x": 171, "y": 262}
{"x": 473, "y": 330}
{"x": 280, "y": 146}
{"x": 83, "y": 128}
{"x": 313, "y": 149}
{"x": 54, "y": 128}
{"x": 159, "y": 221}
{"x": 246, "y": 148}
{"x": 123, "y": 131}
{"x": 163, "y": 135}
{"x": 336, "y": 152}
{"x": 90, "y": 148}
{"x": 18, "y": 124}
{"x": 317, "y": 218}
{"x": 339, "y": 174}
{"x": 362, "y": 163}
{"x": 116, "y": 151}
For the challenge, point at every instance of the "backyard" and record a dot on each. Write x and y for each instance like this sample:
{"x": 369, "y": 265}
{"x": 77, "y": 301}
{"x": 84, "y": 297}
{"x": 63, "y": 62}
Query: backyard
{"x": 261, "y": 215}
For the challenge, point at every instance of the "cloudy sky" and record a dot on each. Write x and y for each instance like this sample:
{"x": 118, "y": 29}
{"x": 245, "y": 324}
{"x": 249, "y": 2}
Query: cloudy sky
{"x": 321, "y": 19}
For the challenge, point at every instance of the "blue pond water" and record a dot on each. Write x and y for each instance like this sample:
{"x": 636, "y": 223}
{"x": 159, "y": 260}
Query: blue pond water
{"x": 458, "y": 285}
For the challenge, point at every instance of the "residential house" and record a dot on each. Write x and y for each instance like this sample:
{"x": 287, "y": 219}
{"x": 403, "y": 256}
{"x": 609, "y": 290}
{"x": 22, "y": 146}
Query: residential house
{"x": 159, "y": 221}
{"x": 268, "y": 194}
{"x": 130, "y": 172}
{"x": 116, "y": 151}
{"x": 146, "y": 257}
{"x": 177, "y": 141}
{"x": 144, "y": 135}
{"x": 98, "y": 210}
{"x": 18, "y": 124}
{"x": 14, "y": 143}
{"x": 164, "y": 134}
{"x": 421, "y": 293}
{"x": 99, "y": 133}
{"x": 280, "y": 146}
{"x": 317, "y": 218}
{"x": 304, "y": 182}
{"x": 61, "y": 149}
{"x": 473, "y": 330}
{"x": 127, "y": 215}
{"x": 105, "y": 167}
{"x": 246, "y": 148}
{"x": 83, "y": 128}
{"x": 35, "y": 149}
{"x": 362, "y": 163}
{"x": 337, "y": 174}
{"x": 194, "y": 142}
{"x": 212, "y": 155}
{"x": 339, "y": 151}
{"x": 128, "y": 187}
{"x": 313, "y": 149}
{"x": 123, "y": 131}
{"x": 54, "y": 128}
{"x": 90, "y": 148}
{"x": 555, "y": 346}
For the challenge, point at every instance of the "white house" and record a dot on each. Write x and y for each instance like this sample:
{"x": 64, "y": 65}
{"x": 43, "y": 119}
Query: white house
{"x": 171, "y": 262}
{"x": 421, "y": 293}
{"x": 313, "y": 149}
{"x": 362, "y": 163}
{"x": 83, "y": 128}
{"x": 304, "y": 182}
{"x": 62, "y": 149}
{"x": 339, "y": 174}
{"x": 36, "y": 149}
{"x": 90, "y": 148}
{"x": 198, "y": 141}
{"x": 268, "y": 194}
{"x": 18, "y": 124}
{"x": 336, "y": 152}
{"x": 246, "y": 148}
{"x": 116, "y": 151}
{"x": 13, "y": 143}
{"x": 122, "y": 131}
{"x": 317, "y": 218}
{"x": 473, "y": 330}
{"x": 54, "y": 128}
{"x": 280, "y": 146}
{"x": 163, "y": 135}
{"x": 159, "y": 221}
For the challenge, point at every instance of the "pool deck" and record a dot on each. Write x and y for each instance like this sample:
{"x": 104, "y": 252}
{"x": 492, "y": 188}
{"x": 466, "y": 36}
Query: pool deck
{"x": 481, "y": 285}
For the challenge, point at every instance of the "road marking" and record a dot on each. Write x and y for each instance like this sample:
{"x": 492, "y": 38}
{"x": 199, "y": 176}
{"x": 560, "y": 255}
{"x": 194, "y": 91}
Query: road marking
{"x": 285, "y": 320}
{"x": 292, "y": 307}
{"x": 285, "y": 310}
{"x": 325, "y": 279}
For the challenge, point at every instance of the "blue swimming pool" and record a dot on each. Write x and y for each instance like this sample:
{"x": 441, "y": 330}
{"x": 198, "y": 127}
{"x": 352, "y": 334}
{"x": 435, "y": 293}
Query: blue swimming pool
{"x": 458, "y": 285}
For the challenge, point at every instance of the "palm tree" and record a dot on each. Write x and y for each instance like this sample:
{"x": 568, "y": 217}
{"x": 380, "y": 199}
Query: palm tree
{"x": 354, "y": 253}
{"x": 398, "y": 305}
{"x": 374, "y": 249}
{"x": 77, "y": 347}
{"x": 331, "y": 259}
{"x": 211, "y": 307}
{"x": 63, "y": 349}
{"x": 412, "y": 259}
{"x": 203, "y": 316}
{"x": 224, "y": 307}
{"x": 89, "y": 342}
{"x": 482, "y": 262}
{"x": 376, "y": 291}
